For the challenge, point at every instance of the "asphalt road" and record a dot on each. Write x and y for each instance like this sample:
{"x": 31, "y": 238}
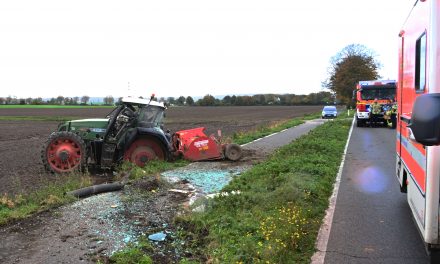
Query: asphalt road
{"x": 372, "y": 221}
{"x": 269, "y": 143}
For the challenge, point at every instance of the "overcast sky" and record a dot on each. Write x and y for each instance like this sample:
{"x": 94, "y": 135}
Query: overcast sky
{"x": 178, "y": 47}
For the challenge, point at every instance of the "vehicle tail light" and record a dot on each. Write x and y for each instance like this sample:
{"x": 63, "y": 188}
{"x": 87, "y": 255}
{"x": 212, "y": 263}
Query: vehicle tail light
{"x": 362, "y": 108}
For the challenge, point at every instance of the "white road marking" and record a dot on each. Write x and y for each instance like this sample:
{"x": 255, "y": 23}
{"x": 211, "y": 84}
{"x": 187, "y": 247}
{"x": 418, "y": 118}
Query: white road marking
{"x": 324, "y": 230}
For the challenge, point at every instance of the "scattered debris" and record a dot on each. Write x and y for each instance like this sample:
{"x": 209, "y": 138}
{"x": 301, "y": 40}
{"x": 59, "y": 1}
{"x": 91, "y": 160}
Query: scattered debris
{"x": 178, "y": 191}
{"x": 207, "y": 177}
{"x": 158, "y": 236}
{"x": 214, "y": 195}
{"x": 199, "y": 209}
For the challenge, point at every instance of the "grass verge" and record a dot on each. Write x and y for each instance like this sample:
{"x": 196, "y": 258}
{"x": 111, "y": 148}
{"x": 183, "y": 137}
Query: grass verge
{"x": 52, "y": 195}
{"x": 276, "y": 216}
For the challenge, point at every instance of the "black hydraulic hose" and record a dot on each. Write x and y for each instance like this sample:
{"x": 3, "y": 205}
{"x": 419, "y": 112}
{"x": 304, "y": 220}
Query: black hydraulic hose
{"x": 95, "y": 189}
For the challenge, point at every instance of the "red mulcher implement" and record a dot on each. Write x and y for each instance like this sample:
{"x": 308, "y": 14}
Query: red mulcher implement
{"x": 194, "y": 145}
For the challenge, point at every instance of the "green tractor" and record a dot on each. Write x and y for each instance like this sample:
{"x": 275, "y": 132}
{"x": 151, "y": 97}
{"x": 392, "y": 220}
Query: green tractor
{"x": 132, "y": 131}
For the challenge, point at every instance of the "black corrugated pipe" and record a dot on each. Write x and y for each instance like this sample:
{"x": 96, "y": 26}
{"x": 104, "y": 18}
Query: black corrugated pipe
{"x": 95, "y": 189}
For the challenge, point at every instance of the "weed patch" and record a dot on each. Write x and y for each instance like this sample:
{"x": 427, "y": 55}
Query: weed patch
{"x": 52, "y": 195}
{"x": 133, "y": 254}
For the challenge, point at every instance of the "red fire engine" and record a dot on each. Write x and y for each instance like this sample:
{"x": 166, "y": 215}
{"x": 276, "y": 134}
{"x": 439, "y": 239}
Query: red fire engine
{"x": 418, "y": 127}
{"x": 366, "y": 91}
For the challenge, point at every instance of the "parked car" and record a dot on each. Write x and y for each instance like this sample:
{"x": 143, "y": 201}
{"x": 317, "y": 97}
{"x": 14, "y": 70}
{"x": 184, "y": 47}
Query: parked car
{"x": 329, "y": 111}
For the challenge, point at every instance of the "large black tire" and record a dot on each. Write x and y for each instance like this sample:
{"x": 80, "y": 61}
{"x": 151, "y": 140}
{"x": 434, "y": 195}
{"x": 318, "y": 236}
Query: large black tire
{"x": 144, "y": 149}
{"x": 233, "y": 152}
{"x": 64, "y": 152}
{"x": 359, "y": 123}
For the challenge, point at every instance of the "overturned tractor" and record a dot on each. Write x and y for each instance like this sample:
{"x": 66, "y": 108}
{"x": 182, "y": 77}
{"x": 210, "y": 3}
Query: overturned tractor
{"x": 133, "y": 132}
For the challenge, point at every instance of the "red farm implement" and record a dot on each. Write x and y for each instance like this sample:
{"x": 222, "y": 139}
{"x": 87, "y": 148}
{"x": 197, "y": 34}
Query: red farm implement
{"x": 195, "y": 145}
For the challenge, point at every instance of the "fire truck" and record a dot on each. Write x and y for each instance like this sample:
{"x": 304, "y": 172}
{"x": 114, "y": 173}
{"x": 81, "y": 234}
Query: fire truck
{"x": 418, "y": 127}
{"x": 366, "y": 91}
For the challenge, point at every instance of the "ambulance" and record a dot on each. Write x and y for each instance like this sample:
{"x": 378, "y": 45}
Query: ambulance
{"x": 418, "y": 126}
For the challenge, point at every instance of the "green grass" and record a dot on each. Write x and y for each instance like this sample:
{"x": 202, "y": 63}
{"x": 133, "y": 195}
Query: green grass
{"x": 138, "y": 253}
{"x": 133, "y": 254}
{"x": 249, "y": 136}
{"x": 312, "y": 116}
{"x": 277, "y": 215}
{"x": 52, "y": 195}
{"x": 53, "y": 106}
{"x": 153, "y": 167}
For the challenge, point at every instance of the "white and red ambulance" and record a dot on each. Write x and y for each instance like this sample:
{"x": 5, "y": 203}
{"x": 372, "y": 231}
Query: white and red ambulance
{"x": 418, "y": 127}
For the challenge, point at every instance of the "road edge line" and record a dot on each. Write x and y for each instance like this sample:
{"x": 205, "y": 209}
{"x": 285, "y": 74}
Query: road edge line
{"x": 324, "y": 231}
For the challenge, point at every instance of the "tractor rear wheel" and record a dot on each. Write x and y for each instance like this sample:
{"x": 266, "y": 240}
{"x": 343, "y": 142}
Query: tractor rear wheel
{"x": 64, "y": 152}
{"x": 143, "y": 150}
{"x": 233, "y": 152}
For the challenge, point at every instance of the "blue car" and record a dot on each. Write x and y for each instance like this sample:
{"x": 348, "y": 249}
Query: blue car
{"x": 329, "y": 112}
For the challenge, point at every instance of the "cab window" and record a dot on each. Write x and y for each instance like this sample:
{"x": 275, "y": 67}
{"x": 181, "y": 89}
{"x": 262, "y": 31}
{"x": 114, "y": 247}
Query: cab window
{"x": 420, "y": 78}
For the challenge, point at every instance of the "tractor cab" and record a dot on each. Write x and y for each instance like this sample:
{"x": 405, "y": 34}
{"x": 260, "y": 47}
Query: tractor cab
{"x": 134, "y": 113}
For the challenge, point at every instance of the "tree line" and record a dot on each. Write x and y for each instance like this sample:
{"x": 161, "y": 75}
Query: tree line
{"x": 257, "y": 99}
{"x": 60, "y": 100}
{"x": 207, "y": 100}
